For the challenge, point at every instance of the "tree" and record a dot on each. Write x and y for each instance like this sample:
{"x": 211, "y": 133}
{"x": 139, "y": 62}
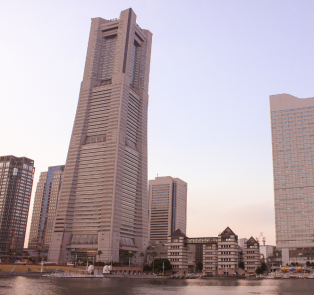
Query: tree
{"x": 121, "y": 256}
{"x": 153, "y": 255}
{"x": 142, "y": 255}
{"x": 263, "y": 266}
{"x": 199, "y": 266}
{"x": 99, "y": 252}
{"x": 259, "y": 270}
{"x": 241, "y": 264}
{"x": 147, "y": 268}
{"x": 131, "y": 254}
{"x": 160, "y": 262}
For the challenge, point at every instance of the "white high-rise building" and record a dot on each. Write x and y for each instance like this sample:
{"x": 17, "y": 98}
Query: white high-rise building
{"x": 292, "y": 123}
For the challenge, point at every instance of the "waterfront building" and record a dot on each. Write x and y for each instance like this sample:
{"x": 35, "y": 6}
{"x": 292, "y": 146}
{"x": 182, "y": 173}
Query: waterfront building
{"x": 44, "y": 210}
{"x": 159, "y": 247}
{"x": 220, "y": 255}
{"x": 16, "y": 181}
{"x": 177, "y": 252}
{"x": 168, "y": 207}
{"x": 292, "y": 123}
{"x": 103, "y": 200}
{"x": 251, "y": 255}
{"x": 266, "y": 251}
{"x": 228, "y": 252}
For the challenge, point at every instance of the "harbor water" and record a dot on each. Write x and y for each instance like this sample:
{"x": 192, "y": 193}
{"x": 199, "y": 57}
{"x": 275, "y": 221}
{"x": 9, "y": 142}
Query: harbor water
{"x": 126, "y": 286}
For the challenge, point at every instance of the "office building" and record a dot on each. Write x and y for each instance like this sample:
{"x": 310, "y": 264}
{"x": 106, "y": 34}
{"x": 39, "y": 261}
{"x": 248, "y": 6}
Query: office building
{"x": 292, "y": 126}
{"x": 167, "y": 210}
{"x": 44, "y": 210}
{"x": 103, "y": 201}
{"x": 16, "y": 181}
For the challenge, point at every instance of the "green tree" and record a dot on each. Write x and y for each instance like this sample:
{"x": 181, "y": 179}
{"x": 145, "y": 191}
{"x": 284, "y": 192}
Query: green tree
{"x": 153, "y": 255}
{"x": 147, "y": 268}
{"x": 121, "y": 256}
{"x": 199, "y": 266}
{"x": 263, "y": 266}
{"x": 99, "y": 252}
{"x": 241, "y": 264}
{"x": 159, "y": 262}
{"x": 142, "y": 255}
{"x": 131, "y": 255}
{"x": 259, "y": 270}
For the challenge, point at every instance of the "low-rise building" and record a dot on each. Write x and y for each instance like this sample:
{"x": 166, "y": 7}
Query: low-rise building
{"x": 177, "y": 252}
{"x": 251, "y": 255}
{"x": 220, "y": 256}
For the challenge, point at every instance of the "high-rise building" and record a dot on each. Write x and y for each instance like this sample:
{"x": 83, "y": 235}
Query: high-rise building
{"x": 16, "y": 181}
{"x": 103, "y": 199}
{"x": 45, "y": 207}
{"x": 292, "y": 124}
{"x": 167, "y": 208}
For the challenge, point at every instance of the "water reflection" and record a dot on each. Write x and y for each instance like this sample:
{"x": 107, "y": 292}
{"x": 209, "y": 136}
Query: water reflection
{"x": 58, "y": 286}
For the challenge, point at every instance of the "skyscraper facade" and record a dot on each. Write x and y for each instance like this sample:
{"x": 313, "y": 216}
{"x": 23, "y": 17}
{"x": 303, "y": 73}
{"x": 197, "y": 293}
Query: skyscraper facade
{"x": 167, "y": 210}
{"x": 103, "y": 200}
{"x": 45, "y": 207}
{"x": 292, "y": 123}
{"x": 16, "y": 181}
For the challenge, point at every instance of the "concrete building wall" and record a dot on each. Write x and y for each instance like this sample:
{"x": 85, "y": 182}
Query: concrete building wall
{"x": 16, "y": 181}
{"x": 45, "y": 208}
{"x": 167, "y": 207}
{"x": 251, "y": 255}
{"x": 103, "y": 200}
{"x": 292, "y": 122}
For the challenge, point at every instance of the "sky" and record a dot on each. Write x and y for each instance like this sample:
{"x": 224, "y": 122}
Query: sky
{"x": 213, "y": 66}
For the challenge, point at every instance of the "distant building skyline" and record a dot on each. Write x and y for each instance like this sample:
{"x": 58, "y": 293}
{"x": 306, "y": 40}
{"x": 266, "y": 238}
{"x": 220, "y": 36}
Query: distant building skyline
{"x": 167, "y": 207}
{"x": 103, "y": 200}
{"x": 45, "y": 208}
{"x": 16, "y": 181}
{"x": 292, "y": 126}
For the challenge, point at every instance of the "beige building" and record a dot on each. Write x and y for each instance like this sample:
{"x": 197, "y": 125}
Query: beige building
{"x": 177, "y": 252}
{"x": 44, "y": 210}
{"x": 251, "y": 255}
{"x": 210, "y": 259}
{"x": 228, "y": 252}
{"x": 168, "y": 205}
{"x": 103, "y": 201}
{"x": 292, "y": 125}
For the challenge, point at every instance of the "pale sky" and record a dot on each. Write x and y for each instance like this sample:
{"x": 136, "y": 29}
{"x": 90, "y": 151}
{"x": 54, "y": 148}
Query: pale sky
{"x": 213, "y": 66}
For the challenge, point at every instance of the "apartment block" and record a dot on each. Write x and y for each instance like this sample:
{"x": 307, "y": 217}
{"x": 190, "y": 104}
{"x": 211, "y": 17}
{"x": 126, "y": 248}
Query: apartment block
{"x": 177, "y": 252}
{"x": 251, "y": 255}
{"x": 44, "y": 210}
{"x": 292, "y": 123}
{"x": 103, "y": 200}
{"x": 168, "y": 207}
{"x": 16, "y": 181}
{"x": 228, "y": 252}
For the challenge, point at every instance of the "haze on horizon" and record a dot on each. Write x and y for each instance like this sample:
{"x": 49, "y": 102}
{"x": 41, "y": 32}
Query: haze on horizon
{"x": 213, "y": 66}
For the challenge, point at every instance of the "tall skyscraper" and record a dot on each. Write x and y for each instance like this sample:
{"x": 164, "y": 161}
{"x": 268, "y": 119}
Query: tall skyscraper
{"x": 167, "y": 210}
{"x": 16, "y": 181}
{"x": 45, "y": 207}
{"x": 292, "y": 123}
{"x": 103, "y": 200}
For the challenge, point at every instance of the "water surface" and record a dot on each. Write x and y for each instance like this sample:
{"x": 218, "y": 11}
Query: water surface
{"x": 115, "y": 286}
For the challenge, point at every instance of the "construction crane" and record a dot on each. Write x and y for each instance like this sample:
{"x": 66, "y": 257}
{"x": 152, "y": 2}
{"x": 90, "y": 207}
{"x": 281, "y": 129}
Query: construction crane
{"x": 10, "y": 245}
{"x": 261, "y": 238}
